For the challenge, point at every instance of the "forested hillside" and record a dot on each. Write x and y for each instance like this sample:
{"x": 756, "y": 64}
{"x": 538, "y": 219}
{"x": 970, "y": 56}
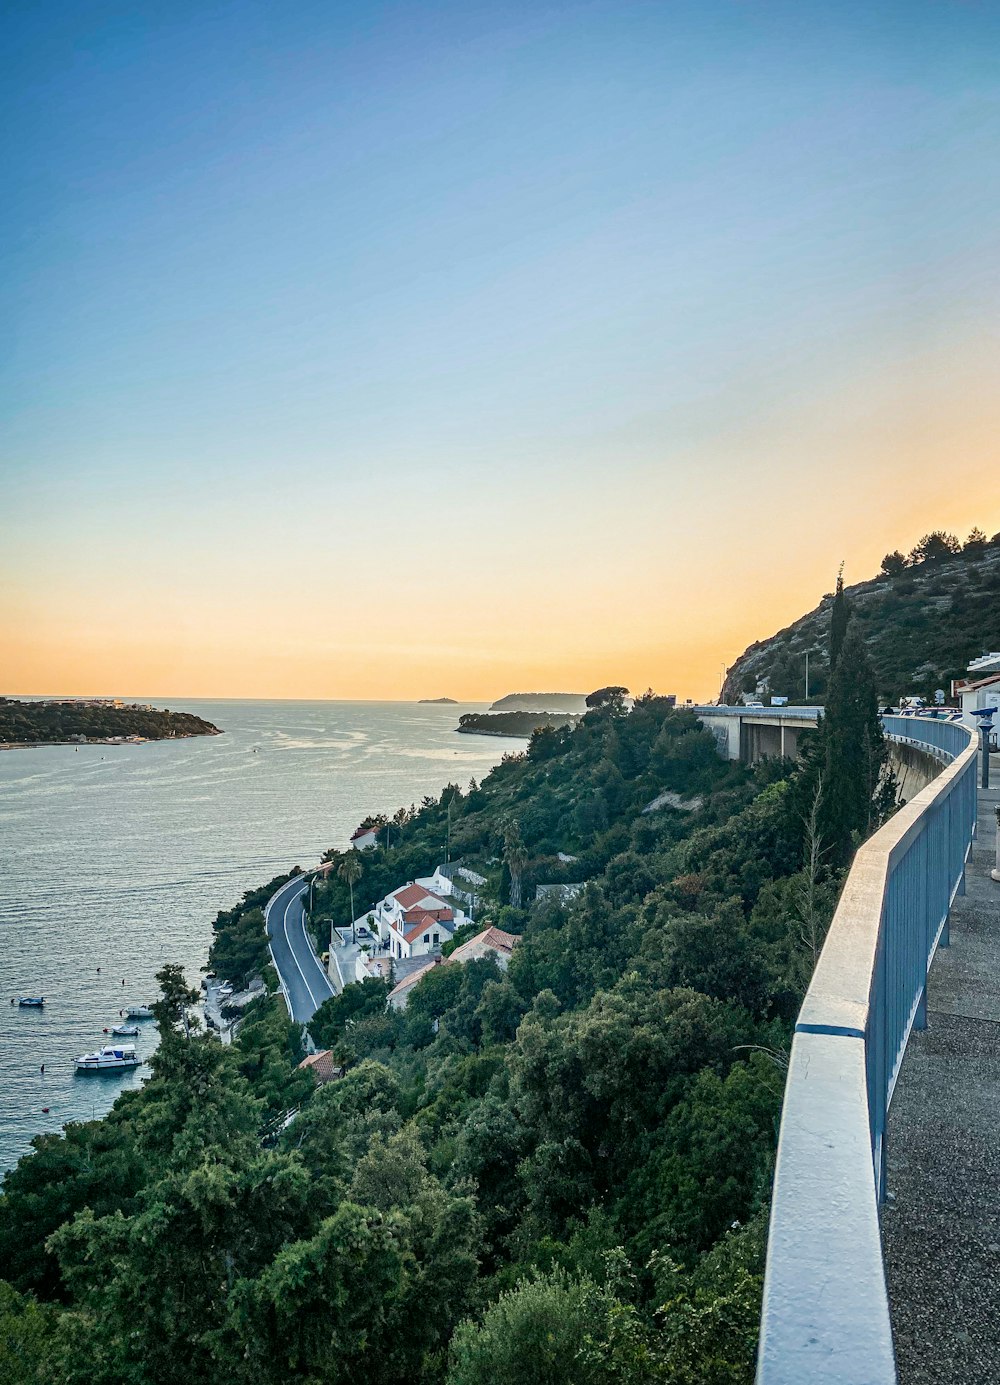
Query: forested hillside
{"x": 559, "y": 1173}
{"x": 29, "y": 723}
{"x": 923, "y": 617}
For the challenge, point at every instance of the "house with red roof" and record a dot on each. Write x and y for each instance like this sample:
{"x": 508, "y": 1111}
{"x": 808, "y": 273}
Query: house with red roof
{"x": 415, "y": 921}
{"x": 491, "y": 942}
{"x": 364, "y": 837}
{"x": 981, "y": 688}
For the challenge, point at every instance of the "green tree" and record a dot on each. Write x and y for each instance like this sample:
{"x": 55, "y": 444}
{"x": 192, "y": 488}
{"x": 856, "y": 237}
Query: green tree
{"x": 840, "y": 615}
{"x": 171, "y": 1010}
{"x": 515, "y": 855}
{"x": 933, "y": 547}
{"x": 350, "y": 870}
{"x": 357, "y": 1001}
{"x": 27, "y": 1340}
{"x": 858, "y": 787}
{"x": 240, "y": 950}
{"x": 894, "y": 564}
{"x": 533, "y": 1335}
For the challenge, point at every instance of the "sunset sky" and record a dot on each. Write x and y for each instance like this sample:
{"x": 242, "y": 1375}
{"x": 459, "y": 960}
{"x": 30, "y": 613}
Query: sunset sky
{"x": 398, "y": 350}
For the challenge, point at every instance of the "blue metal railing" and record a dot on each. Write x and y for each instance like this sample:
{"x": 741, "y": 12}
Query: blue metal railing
{"x": 826, "y": 1315}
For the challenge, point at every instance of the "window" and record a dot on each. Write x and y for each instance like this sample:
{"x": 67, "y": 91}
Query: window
{"x": 427, "y": 937}
{"x": 437, "y": 937}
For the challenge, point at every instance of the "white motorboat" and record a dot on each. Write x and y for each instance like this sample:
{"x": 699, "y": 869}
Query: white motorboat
{"x": 31, "y": 1002}
{"x": 139, "y": 1012}
{"x": 109, "y": 1058}
{"x": 125, "y": 1031}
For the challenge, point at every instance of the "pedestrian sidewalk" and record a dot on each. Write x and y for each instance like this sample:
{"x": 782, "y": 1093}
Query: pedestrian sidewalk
{"x": 941, "y": 1222}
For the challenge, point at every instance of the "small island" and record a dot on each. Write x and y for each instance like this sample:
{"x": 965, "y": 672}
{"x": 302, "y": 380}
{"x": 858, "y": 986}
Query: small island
{"x": 437, "y": 702}
{"x": 93, "y": 720}
{"x": 511, "y": 723}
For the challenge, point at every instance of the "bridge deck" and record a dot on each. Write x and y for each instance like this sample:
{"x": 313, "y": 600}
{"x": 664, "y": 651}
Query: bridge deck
{"x": 941, "y": 1224}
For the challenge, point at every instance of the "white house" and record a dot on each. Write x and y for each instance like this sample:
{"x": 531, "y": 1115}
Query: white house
{"x": 363, "y": 838}
{"x": 981, "y": 688}
{"x": 415, "y": 920}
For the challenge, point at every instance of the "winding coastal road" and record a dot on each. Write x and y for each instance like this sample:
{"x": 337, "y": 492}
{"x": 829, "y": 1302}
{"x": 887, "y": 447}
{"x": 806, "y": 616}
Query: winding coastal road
{"x": 303, "y": 978}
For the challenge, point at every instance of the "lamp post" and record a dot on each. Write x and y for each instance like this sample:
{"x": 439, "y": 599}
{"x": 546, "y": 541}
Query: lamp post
{"x": 984, "y": 715}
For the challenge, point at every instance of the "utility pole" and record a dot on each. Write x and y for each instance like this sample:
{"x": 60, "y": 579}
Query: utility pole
{"x": 807, "y": 676}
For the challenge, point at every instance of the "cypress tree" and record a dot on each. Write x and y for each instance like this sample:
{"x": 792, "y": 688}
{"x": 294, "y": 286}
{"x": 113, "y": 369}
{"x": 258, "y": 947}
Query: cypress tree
{"x": 858, "y": 787}
{"x": 839, "y": 620}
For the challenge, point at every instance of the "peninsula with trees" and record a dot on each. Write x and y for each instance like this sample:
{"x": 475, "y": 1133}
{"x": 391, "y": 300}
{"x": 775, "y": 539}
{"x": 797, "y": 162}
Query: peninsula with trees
{"x": 521, "y": 723}
{"x": 98, "y": 720}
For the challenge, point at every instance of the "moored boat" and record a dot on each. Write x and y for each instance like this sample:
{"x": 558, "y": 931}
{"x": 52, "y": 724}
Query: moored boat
{"x": 109, "y": 1058}
{"x": 139, "y": 1012}
{"x": 125, "y": 1031}
{"x": 31, "y": 1002}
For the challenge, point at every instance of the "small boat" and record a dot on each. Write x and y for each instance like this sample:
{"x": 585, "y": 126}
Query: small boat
{"x": 109, "y": 1058}
{"x": 125, "y": 1031}
{"x": 139, "y": 1012}
{"x": 31, "y": 1002}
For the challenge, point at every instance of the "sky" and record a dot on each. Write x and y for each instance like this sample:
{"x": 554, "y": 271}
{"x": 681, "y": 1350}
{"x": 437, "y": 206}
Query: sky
{"x": 416, "y": 349}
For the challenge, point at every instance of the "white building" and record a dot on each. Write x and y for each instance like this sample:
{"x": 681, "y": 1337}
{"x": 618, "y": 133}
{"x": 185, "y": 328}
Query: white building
{"x": 363, "y": 838}
{"x": 981, "y": 688}
{"x": 416, "y": 920}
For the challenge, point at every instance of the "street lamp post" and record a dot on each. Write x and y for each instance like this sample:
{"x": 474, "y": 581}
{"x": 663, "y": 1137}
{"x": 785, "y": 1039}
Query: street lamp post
{"x": 984, "y": 715}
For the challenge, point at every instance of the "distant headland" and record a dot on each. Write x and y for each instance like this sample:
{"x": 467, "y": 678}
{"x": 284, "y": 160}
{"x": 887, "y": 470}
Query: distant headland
{"x": 92, "y": 720}
{"x": 541, "y": 702}
{"x": 437, "y": 702}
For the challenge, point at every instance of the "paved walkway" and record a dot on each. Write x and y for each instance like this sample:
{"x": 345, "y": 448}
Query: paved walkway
{"x": 941, "y": 1224}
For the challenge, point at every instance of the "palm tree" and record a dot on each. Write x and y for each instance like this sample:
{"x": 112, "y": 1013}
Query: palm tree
{"x": 350, "y": 869}
{"x": 515, "y": 854}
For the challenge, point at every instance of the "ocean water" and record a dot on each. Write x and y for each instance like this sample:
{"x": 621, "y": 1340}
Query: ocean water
{"x": 115, "y": 860}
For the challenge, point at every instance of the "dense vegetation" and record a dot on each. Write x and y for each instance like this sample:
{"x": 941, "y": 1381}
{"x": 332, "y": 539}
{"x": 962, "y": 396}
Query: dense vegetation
{"x": 922, "y": 619}
{"x": 510, "y": 723}
{"x": 42, "y": 722}
{"x": 558, "y": 1173}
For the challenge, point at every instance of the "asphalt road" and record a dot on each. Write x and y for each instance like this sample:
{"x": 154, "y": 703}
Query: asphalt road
{"x": 303, "y": 978}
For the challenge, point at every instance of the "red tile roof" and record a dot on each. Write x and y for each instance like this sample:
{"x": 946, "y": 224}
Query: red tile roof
{"x": 979, "y": 683}
{"x": 411, "y": 895}
{"x": 494, "y": 938}
{"x": 413, "y": 977}
{"x": 419, "y": 921}
{"x": 322, "y": 1066}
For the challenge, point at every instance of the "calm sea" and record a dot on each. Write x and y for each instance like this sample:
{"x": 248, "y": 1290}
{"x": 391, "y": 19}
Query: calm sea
{"x": 114, "y": 860}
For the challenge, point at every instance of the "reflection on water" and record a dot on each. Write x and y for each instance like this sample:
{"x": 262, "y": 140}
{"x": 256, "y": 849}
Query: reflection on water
{"x": 114, "y": 860}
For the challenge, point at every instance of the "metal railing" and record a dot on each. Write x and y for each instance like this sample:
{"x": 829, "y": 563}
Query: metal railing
{"x": 826, "y": 1313}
